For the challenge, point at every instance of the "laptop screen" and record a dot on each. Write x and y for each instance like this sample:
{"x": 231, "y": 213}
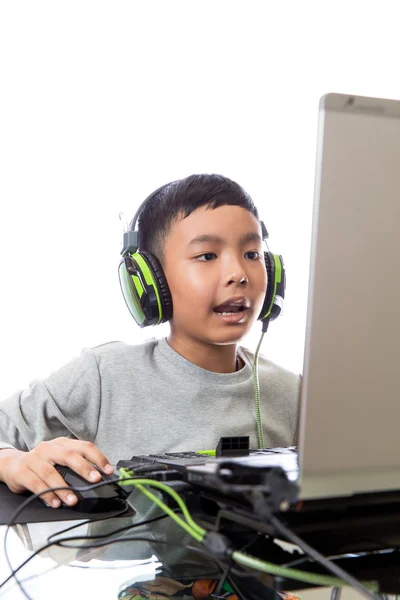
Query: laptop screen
{"x": 350, "y": 409}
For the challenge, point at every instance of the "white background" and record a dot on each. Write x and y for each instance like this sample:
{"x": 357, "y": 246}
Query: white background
{"x": 102, "y": 102}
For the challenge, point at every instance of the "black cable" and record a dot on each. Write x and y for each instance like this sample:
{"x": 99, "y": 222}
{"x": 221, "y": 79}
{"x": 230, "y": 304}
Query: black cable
{"x": 231, "y": 569}
{"x": 224, "y": 577}
{"x": 116, "y": 531}
{"x": 61, "y": 544}
{"x": 336, "y": 593}
{"x": 325, "y": 562}
{"x": 249, "y": 594}
{"x": 14, "y": 571}
{"x": 49, "y": 544}
{"x": 111, "y": 533}
{"x": 80, "y": 488}
{"x": 33, "y": 497}
{"x": 245, "y": 574}
{"x": 248, "y": 544}
{"x": 296, "y": 562}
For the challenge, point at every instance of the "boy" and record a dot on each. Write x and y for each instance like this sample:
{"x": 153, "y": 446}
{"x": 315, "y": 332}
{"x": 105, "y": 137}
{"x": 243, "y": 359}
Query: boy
{"x": 165, "y": 395}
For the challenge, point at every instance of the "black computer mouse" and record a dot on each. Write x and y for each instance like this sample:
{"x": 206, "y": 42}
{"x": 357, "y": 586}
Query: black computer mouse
{"x": 100, "y": 499}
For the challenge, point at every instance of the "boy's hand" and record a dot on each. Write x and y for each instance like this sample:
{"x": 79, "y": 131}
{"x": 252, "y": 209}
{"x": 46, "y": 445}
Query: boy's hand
{"x": 34, "y": 470}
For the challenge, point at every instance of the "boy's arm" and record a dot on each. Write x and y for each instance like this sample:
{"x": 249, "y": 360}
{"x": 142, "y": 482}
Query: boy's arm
{"x": 67, "y": 403}
{"x": 34, "y": 426}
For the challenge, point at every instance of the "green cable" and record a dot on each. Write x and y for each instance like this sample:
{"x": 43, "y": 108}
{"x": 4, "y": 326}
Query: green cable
{"x": 198, "y": 537}
{"x": 297, "y": 574}
{"x": 165, "y": 488}
{"x": 257, "y": 394}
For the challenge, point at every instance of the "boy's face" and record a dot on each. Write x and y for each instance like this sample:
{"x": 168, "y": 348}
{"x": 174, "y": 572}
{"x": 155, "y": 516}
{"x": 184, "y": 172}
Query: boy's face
{"x": 214, "y": 265}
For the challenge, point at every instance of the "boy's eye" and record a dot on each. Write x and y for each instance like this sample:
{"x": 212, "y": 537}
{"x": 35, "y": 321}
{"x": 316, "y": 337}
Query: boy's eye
{"x": 207, "y": 256}
{"x": 253, "y": 255}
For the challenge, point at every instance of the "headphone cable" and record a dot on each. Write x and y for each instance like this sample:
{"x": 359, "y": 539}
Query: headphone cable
{"x": 256, "y": 385}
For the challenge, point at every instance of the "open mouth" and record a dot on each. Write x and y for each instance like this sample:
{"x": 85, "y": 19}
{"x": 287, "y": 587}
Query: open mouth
{"x": 233, "y": 308}
{"x": 232, "y": 315}
{"x": 229, "y": 310}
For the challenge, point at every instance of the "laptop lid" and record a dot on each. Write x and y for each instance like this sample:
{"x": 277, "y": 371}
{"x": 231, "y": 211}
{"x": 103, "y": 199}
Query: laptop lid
{"x": 350, "y": 408}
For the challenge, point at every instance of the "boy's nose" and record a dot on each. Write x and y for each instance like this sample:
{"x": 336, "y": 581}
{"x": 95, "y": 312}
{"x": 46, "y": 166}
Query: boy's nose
{"x": 238, "y": 278}
{"x": 235, "y": 271}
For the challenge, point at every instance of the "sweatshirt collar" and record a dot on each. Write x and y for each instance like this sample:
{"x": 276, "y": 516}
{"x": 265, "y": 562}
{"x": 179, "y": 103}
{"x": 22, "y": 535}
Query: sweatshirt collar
{"x": 194, "y": 370}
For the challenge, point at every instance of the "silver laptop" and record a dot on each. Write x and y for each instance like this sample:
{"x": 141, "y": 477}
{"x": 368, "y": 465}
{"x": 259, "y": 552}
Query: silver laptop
{"x": 350, "y": 408}
{"x": 350, "y": 401}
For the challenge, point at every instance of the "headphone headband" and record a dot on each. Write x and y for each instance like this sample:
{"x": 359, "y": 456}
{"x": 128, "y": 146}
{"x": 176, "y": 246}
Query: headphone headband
{"x": 130, "y": 242}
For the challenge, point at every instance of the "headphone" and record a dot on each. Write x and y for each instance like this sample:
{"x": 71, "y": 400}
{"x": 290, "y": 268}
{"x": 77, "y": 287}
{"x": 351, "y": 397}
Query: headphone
{"x": 145, "y": 288}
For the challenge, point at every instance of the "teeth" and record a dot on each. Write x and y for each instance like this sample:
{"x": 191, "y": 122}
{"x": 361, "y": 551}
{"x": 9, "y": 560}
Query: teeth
{"x": 227, "y": 313}
{"x": 237, "y": 304}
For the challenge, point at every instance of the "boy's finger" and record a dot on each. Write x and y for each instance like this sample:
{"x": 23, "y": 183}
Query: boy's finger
{"x": 46, "y": 477}
{"x": 34, "y": 484}
{"x": 80, "y": 466}
{"x": 89, "y": 451}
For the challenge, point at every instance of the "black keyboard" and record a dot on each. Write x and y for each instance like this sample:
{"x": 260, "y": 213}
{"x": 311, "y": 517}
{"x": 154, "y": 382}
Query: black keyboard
{"x": 197, "y": 455}
{"x": 169, "y": 455}
{"x": 184, "y": 459}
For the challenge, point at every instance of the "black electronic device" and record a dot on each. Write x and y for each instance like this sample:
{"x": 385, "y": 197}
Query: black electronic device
{"x": 238, "y": 445}
{"x": 101, "y": 499}
{"x": 230, "y": 471}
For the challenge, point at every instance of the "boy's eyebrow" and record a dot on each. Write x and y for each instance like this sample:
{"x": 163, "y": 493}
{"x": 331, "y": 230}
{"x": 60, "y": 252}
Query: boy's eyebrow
{"x": 216, "y": 239}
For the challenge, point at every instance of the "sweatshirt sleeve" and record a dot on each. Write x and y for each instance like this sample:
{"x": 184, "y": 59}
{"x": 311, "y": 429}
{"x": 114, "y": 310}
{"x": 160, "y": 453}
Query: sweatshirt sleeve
{"x": 67, "y": 403}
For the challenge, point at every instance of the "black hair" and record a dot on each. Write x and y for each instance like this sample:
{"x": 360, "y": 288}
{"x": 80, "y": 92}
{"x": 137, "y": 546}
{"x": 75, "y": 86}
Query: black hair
{"x": 181, "y": 198}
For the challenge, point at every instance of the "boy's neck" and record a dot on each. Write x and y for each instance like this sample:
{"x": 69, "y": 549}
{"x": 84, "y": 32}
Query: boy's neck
{"x": 218, "y": 359}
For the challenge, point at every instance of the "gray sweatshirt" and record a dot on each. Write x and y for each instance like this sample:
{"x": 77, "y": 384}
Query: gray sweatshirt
{"x": 141, "y": 399}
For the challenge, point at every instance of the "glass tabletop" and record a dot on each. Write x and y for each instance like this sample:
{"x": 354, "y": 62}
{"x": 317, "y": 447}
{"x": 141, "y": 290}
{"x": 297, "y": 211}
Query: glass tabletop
{"x": 123, "y": 559}
{"x": 134, "y": 553}
{"x": 155, "y": 560}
